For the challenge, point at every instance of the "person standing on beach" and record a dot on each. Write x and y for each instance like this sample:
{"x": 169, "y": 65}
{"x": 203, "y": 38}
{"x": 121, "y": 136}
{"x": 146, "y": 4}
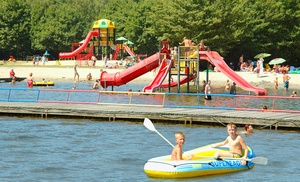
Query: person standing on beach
{"x": 94, "y": 59}
{"x": 44, "y": 60}
{"x": 286, "y": 79}
{"x": 261, "y": 66}
{"x": 76, "y": 73}
{"x": 257, "y": 69}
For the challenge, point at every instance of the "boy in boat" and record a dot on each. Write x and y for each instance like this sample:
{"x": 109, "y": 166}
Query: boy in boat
{"x": 235, "y": 142}
{"x": 177, "y": 151}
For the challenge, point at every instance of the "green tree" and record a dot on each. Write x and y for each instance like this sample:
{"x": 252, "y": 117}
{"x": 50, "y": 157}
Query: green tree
{"x": 56, "y": 24}
{"x": 14, "y": 28}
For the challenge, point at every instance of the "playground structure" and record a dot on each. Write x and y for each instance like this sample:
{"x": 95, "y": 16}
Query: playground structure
{"x": 97, "y": 42}
{"x": 188, "y": 65}
{"x": 186, "y": 69}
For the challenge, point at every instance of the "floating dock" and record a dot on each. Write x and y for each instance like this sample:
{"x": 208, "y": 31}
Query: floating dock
{"x": 187, "y": 116}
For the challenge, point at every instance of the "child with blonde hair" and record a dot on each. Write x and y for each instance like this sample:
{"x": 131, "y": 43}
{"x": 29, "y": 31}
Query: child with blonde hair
{"x": 177, "y": 150}
{"x": 236, "y": 144}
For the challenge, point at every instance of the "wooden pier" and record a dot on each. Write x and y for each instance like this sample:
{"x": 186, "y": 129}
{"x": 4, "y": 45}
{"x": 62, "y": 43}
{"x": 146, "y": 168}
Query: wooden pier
{"x": 187, "y": 116}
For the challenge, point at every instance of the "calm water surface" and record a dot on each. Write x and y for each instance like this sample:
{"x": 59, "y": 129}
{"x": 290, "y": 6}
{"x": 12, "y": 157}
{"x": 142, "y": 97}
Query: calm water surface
{"x": 170, "y": 100}
{"x": 85, "y": 150}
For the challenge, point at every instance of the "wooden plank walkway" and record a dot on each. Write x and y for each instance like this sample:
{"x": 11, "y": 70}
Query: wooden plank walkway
{"x": 259, "y": 119}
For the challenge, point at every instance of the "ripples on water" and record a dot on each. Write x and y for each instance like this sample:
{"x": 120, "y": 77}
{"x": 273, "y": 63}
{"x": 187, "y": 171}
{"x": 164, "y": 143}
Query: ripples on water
{"x": 86, "y": 150}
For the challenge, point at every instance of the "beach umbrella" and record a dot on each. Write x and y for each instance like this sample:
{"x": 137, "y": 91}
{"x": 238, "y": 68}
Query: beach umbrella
{"x": 128, "y": 42}
{"x": 262, "y": 55}
{"x": 46, "y": 53}
{"x": 121, "y": 38}
{"x": 277, "y": 61}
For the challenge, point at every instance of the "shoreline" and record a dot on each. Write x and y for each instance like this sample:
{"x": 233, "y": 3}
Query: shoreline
{"x": 65, "y": 72}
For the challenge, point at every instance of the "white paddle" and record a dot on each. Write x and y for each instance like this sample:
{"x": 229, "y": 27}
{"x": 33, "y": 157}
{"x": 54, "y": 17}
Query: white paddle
{"x": 148, "y": 124}
{"x": 255, "y": 160}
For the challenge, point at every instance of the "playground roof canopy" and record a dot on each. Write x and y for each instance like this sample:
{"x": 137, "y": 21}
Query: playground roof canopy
{"x": 121, "y": 38}
{"x": 128, "y": 42}
{"x": 104, "y": 23}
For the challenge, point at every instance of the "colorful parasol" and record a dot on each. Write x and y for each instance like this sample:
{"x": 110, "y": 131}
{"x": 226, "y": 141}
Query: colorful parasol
{"x": 277, "y": 61}
{"x": 262, "y": 55}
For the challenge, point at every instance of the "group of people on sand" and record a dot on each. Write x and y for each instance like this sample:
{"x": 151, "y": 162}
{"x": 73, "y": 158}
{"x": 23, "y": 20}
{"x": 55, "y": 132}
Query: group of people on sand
{"x": 37, "y": 59}
{"x": 234, "y": 140}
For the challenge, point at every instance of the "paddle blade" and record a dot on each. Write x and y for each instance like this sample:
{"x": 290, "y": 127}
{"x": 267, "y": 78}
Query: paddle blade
{"x": 148, "y": 124}
{"x": 260, "y": 160}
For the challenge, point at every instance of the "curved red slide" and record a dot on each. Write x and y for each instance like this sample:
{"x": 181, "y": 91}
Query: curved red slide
{"x": 123, "y": 77}
{"x": 129, "y": 51}
{"x": 219, "y": 62}
{"x": 86, "y": 41}
{"x": 175, "y": 84}
{"x": 160, "y": 76}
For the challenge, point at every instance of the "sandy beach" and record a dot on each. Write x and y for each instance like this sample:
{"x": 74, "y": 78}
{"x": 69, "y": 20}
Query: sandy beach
{"x": 65, "y": 72}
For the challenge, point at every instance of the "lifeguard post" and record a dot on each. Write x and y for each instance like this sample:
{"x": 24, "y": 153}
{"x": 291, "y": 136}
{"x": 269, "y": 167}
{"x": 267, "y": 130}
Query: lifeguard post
{"x": 103, "y": 44}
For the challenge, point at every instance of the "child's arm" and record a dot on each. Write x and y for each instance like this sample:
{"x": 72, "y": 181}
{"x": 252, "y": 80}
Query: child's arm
{"x": 220, "y": 143}
{"x": 242, "y": 142}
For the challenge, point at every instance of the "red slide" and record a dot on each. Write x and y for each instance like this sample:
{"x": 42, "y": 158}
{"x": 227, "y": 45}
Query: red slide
{"x": 175, "y": 84}
{"x": 116, "y": 52}
{"x": 160, "y": 76}
{"x": 123, "y": 77}
{"x": 129, "y": 51}
{"x": 79, "y": 49}
{"x": 219, "y": 62}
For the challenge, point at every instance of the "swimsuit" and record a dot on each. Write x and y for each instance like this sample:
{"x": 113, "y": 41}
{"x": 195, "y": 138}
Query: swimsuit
{"x": 30, "y": 83}
{"x": 286, "y": 84}
{"x": 237, "y": 156}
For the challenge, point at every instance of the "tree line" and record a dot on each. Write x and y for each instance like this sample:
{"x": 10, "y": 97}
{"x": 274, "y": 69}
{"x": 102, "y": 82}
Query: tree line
{"x": 231, "y": 27}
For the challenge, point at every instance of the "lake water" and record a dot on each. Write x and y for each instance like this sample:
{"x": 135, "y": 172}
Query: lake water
{"x": 34, "y": 149}
{"x": 174, "y": 100}
{"x": 135, "y": 86}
